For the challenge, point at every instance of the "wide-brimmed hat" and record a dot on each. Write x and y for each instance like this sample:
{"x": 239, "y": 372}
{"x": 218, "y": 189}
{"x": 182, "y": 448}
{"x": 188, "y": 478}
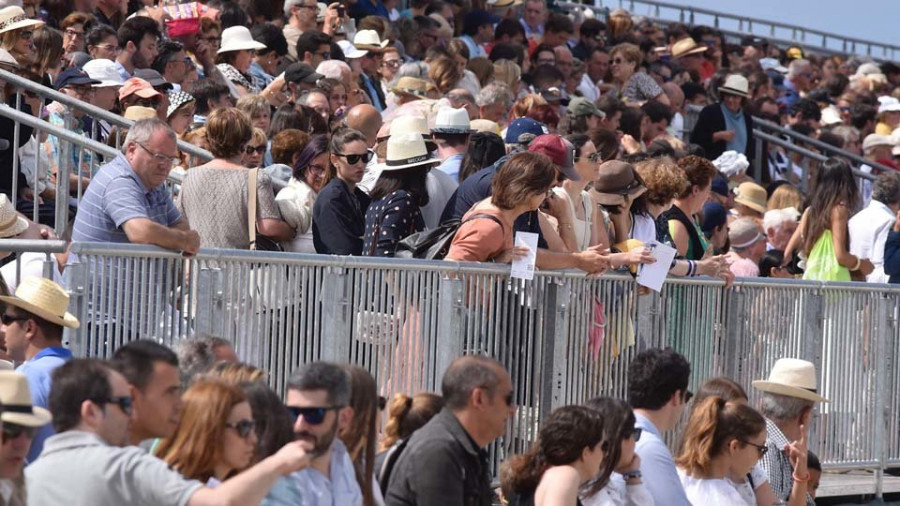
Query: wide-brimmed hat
{"x": 406, "y": 150}
{"x": 14, "y": 17}
{"x": 617, "y": 179}
{"x": 736, "y": 84}
{"x": 411, "y": 87}
{"x": 105, "y": 72}
{"x": 17, "y": 405}
{"x": 11, "y": 222}
{"x": 369, "y": 39}
{"x": 686, "y": 47}
{"x": 875, "y": 140}
{"x": 888, "y": 104}
{"x": 139, "y": 87}
{"x": 43, "y": 298}
{"x": 350, "y": 51}
{"x": 450, "y": 120}
{"x": 416, "y": 124}
{"x": 791, "y": 377}
{"x": 751, "y": 195}
{"x": 237, "y": 38}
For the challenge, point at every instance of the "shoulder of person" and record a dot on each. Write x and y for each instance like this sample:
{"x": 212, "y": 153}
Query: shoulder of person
{"x": 562, "y": 476}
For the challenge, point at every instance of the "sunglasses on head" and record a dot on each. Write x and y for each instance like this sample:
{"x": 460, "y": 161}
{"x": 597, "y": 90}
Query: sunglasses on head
{"x": 353, "y": 159}
{"x": 312, "y": 416}
{"x": 13, "y": 431}
{"x": 244, "y": 427}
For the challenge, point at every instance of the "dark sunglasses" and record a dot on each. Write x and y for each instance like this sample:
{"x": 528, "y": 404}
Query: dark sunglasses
{"x": 312, "y": 416}
{"x": 763, "y": 449}
{"x": 244, "y": 428}
{"x": 124, "y": 403}
{"x": 7, "y": 319}
{"x": 258, "y": 149}
{"x": 688, "y": 395}
{"x": 13, "y": 431}
{"x": 382, "y": 402}
{"x": 354, "y": 159}
{"x": 634, "y": 432}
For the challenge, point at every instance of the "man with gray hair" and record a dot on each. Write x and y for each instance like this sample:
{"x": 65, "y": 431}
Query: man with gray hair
{"x": 788, "y": 399}
{"x": 318, "y": 400}
{"x": 798, "y": 82}
{"x": 779, "y": 225}
{"x": 494, "y": 101}
{"x": 869, "y": 228}
{"x": 461, "y": 98}
{"x": 301, "y": 17}
{"x": 198, "y": 355}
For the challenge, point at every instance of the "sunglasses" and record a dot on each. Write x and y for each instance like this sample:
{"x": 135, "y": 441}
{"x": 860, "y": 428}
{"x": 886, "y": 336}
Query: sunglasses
{"x": 763, "y": 449}
{"x": 244, "y": 428}
{"x": 325, "y": 55}
{"x": 382, "y": 402}
{"x": 688, "y": 395}
{"x": 258, "y": 149}
{"x": 618, "y": 61}
{"x": 124, "y": 403}
{"x": 635, "y": 432}
{"x": 312, "y": 416}
{"x": 13, "y": 431}
{"x": 354, "y": 159}
{"x": 7, "y": 319}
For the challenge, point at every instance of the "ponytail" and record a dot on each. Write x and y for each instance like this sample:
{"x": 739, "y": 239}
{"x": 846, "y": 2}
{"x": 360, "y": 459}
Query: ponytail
{"x": 712, "y": 426}
{"x": 406, "y": 415}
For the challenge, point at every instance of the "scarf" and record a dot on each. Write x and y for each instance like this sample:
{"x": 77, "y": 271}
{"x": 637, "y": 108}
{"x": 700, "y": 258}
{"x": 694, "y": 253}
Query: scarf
{"x": 735, "y": 122}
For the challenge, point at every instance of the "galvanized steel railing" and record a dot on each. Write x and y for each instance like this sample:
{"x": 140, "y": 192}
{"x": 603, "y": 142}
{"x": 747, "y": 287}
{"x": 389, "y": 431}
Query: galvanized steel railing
{"x": 564, "y": 337}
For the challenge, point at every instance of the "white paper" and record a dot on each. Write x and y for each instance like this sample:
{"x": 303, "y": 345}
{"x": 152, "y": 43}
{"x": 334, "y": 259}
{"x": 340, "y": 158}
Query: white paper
{"x": 523, "y": 267}
{"x": 654, "y": 275}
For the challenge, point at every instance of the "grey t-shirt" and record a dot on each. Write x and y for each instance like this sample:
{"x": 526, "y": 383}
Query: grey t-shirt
{"x": 79, "y": 469}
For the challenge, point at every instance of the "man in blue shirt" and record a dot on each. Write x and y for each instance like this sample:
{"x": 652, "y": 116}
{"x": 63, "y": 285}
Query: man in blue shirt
{"x": 657, "y": 390}
{"x": 451, "y": 135}
{"x": 33, "y": 323}
{"x": 478, "y": 29}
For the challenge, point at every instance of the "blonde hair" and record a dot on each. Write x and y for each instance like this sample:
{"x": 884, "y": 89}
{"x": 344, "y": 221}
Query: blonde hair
{"x": 619, "y": 24}
{"x": 445, "y": 74}
{"x": 259, "y": 136}
{"x": 664, "y": 180}
{"x": 786, "y": 195}
{"x": 253, "y": 105}
{"x": 507, "y": 72}
{"x": 407, "y": 414}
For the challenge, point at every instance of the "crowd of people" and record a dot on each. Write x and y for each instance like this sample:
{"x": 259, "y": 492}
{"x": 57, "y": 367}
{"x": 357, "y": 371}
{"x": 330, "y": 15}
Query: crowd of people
{"x": 370, "y": 131}
{"x": 195, "y": 426}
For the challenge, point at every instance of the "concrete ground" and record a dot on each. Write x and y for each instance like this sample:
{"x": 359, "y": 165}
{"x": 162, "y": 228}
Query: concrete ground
{"x": 856, "y": 488}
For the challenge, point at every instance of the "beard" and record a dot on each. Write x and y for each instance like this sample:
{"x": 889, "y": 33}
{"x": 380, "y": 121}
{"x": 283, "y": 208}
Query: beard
{"x": 322, "y": 443}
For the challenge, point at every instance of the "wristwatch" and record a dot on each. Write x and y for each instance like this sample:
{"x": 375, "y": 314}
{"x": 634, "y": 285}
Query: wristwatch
{"x": 632, "y": 474}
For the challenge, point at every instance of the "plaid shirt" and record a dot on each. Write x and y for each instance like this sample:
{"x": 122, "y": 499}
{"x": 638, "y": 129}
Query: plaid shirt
{"x": 777, "y": 464}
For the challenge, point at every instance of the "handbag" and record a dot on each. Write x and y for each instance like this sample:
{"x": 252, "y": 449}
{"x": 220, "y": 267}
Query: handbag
{"x": 435, "y": 243}
{"x": 257, "y": 242}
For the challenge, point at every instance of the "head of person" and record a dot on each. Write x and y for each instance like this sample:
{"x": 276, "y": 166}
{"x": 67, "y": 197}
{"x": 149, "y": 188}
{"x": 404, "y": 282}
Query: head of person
{"x": 88, "y": 395}
{"x": 534, "y": 12}
{"x": 834, "y": 185}
{"x": 523, "y": 181}
{"x": 287, "y": 145}
{"x": 583, "y": 115}
{"x": 597, "y": 64}
{"x": 624, "y": 59}
{"x": 198, "y": 355}
{"x": 216, "y": 437}
{"x": 335, "y": 91}
{"x": 139, "y": 40}
{"x": 558, "y": 30}
{"x": 815, "y": 473}
{"x": 587, "y": 158}
{"x": 789, "y": 394}
{"x": 301, "y": 12}
{"x": 180, "y": 112}
{"x": 276, "y": 48}
{"x": 479, "y": 25}
{"x": 780, "y": 224}
{"x": 408, "y": 414}
{"x": 34, "y": 318}
{"x": 571, "y": 436}
{"x": 732, "y": 433}
{"x": 658, "y": 382}
{"x": 664, "y": 180}
{"x": 700, "y": 173}
{"x": 367, "y": 120}
{"x": 228, "y": 132}
{"x": 21, "y": 420}
{"x": 312, "y": 165}
{"x": 800, "y": 74}
{"x": 152, "y": 371}
{"x": 770, "y": 265}
{"x": 658, "y": 118}
{"x": 349, "y": 154}
{"x": 171, "y": 61}
{"x": 359, "y": 436}
{"x": 102, "y": 42}
{"x": 255, "y": 150}
{"x": 74, "y": 28}
{"x": 390, "y": 64}
{"x": 272, "y": 420}
{"x": 317, "y": 100}
{"x": 481, "y": 388}
{"x": 313, "y": 47}
{"x": 784, "y": 196}
{"x": 257, "y": 109}
{"x": 612, "y": 108}
{"x": 620, "y": 439}
{"x": 17, "y": 33}
{"x": 746, "y": 239}
{"x": 318, "y": 400}
{"x": 887, "y": 190}
{"x": 406, "y": 168}
{"x": 210, "y": 95}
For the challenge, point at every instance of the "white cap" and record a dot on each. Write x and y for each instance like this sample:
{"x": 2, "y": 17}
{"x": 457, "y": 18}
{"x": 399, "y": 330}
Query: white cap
{"x": 104, "y": 71}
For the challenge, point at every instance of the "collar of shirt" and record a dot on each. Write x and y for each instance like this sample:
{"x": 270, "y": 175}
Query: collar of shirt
{"x": 644, "y": 423}
{"x": 875, "y": 205}
{"x": 53, "y": 351}
{"x": 70, "y": 440}
{"x": 774, "y": 436}
{"x": 459, "y": 432}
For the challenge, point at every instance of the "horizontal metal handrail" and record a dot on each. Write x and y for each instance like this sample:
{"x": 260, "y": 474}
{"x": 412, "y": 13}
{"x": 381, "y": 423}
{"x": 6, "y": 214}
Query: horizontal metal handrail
{"x": 90, "y": 110}
{"x": 62, "y": 133}
{"x": 33, "y": 245}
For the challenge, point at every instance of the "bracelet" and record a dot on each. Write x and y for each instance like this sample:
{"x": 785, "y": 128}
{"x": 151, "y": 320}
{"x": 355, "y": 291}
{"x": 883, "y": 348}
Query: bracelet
{"x": 630, "y": 475}
{"x": 856, "y": 267}
{"x": 800, "y": 480}
{"x": 691, "y": 268}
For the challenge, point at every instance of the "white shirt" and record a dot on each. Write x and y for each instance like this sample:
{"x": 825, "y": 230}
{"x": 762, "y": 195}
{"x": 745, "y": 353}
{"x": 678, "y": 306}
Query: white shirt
{"x": 440, "y": 188}
{"x": 868, "y": 232}
{"x": 617, "y": 493}
{"x": 711, "y": 491}
{"x": 32, "y": 265}
{"x": 748, "y": 491}
{"x": 588, "y": 88}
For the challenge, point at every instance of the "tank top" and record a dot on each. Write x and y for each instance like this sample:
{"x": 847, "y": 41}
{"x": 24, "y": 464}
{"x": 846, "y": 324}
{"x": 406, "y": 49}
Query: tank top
{"x": 582, "y": 228}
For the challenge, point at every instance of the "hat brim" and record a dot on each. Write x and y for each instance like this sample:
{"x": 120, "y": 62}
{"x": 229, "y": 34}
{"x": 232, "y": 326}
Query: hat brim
{"x": 108, "y": 84}
{"x": 67, "y": 320}
{"x": 782, "y": 389}
{"x": 504, "y": 5}
{"x": 570, "y": 173}
{"x": 696, "y": 50}
{"x": 451, "y": 130}
{"x": 22, "y": 24}
{"x": 384, "y": 167}
{"x": 616, "y": 199}
{"x": 38, "y": 418}
{"x": 242, "y": 46}
{"x": 16, "y": 228}
{"x": 756, "y": 206}
{"x": 372, "y": 47}
{"x": 400, "y": 91}
{"x": 358, "y": 53}
{"x": 732, "y": 91}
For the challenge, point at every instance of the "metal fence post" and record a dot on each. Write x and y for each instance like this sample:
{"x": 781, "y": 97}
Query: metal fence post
{"x": 76, "y": 278}
{"x": 813, "y": 325}
{"x": 734, "y": 319}
{"x": 451, "y": 321}
{"x": 336, "y": 322}
{"x": 553, "y": 354}
{"x": 883, "y": 318}
{"x": 210, "y": 313}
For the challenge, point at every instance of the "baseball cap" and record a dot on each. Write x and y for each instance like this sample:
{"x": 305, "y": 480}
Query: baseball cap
{"x": 523, "y": 126}
{"x": 714, "y": 215}
{"x": 772, "y": 64}
{"x": 73, "y": 76}
{"x": 720, "y": 185}
{"x": 154, "y": 78}
{"x": 559, "y": 150}
{"x": 104, "y": 71}
{"x": 139, "y": 87}
{"x": 301, "y": 73}
{"x": 580, "y": 106}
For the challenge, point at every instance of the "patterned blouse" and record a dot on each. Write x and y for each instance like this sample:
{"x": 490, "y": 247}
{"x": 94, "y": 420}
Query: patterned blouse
{"x": 389, "y": 220}
{"x": 640, "y": 88}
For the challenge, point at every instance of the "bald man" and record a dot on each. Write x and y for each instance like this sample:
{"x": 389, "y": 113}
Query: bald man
{"x": 676, "y": 101}
{"x": 460, "y": 98}
{"x": 367, "y": 120}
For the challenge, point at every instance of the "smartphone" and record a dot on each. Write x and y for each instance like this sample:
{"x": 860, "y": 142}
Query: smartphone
{"x": 342, "y": 11}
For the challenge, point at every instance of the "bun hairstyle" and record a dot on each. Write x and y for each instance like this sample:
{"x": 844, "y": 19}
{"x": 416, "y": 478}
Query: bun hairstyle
{"x": 407, "y": 414}
{"x": 712, "y": 426}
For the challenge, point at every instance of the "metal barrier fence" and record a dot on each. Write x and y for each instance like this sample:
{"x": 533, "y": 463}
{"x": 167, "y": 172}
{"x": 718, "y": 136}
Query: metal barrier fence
{"x": 564, "y": 337}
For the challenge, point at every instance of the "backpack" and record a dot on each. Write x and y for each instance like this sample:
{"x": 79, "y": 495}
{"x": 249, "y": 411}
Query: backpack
{"x": 435, "y": 243}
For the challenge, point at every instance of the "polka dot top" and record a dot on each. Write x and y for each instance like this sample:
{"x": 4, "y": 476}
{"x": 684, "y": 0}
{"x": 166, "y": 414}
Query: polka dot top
{"x": 391, "y": 218}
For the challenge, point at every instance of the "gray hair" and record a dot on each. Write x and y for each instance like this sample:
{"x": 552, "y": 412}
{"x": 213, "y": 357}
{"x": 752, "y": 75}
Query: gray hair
{"x": 466, "y": 374}
{"x": 143, "y": 130}
{"x": 887, "y": 188}
{"x": 417, "y": 69}
{"x": 197, "y": 356}
{"x": 495, "y": 93}
{"x": 332, "y": 378}
{"x": 797, "y": 67}
{"x": 846, "y": 132}
{"x": 775, "y": 218}
{"x": 304, "y": 98}
{"x": 783, "y": 408}
{"x": 288, "y": 5}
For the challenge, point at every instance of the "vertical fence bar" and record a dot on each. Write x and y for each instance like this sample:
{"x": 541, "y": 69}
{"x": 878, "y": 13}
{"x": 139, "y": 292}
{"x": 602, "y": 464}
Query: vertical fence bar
{"x": 451, "y": 317}
{"x": 884, "y": 323}
{"x": 336, "y": 321}
{"x": 556, "y": 325}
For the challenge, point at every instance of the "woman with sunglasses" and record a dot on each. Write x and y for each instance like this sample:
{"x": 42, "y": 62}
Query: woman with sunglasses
{"x": 618, "y": 426}
{"x": 569, "y": 453}
{"x": 215, "y": 438}
{"x": 17, "y": 34}
{"x": 296, "y": 200}
{"x": 722, "y": 439}
{"x": 255, "y": 149}
{"x": 633, "y": 87}
{"x": 387, "y": 69}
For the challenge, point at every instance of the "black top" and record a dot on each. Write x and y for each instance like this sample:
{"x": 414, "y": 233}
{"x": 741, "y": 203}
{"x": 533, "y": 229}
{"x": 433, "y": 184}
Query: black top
{"x": 391, "y": 218}
{"x": 712, "y": 120}
{"x": 7, "y": 133}
{"x": 696, "y": 245}
{"x": 441, "y": 465}
{"x": 339, "y": 219}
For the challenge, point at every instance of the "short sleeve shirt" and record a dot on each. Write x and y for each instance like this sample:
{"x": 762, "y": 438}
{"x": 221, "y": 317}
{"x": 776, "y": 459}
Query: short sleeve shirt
{"x": 640, "y": 88}
{"x": 480, "y": 239}
{"x": 389, "y": 220}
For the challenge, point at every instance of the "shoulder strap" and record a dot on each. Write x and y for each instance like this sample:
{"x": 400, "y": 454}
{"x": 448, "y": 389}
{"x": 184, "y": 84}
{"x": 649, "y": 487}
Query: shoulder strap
{"x": 484, "y": 215}
{"x": 252, "y": 174}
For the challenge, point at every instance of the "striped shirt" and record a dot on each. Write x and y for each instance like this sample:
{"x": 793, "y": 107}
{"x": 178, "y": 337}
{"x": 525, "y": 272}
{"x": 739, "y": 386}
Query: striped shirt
{"x": 777, "y": 464}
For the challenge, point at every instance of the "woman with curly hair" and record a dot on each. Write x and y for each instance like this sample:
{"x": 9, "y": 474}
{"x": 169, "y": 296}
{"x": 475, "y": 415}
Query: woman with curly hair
{"x": 680, "y": 218}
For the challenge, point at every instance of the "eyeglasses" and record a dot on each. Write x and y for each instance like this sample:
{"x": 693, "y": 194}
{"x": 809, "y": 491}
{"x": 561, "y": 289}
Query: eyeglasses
{"x": 315, "y": 168}
{"x": 73, "y": 34}
{"x": 159, "y": 157}
{"x": 81, "y": 90}
{"x": 391, "y": 63}
{"x": 763, "y": 449}
{"x": 244, "y": 428}
{"x": 249, "y": 150}
{"x": 325, "y": 54}
{"x": 353, "y": 159}
{"x": 13, "y": 431}
{"x": 382, "y": 402}
{"x": 619, "y": 61}
{"x": 310, "y": 7}
{"x": 26, "y": 34}
{"x": 338, "y": 97}
{"x": 124, "y": 403}
{"x": 7, "y": 319}
{"x": 688, "y": 395}
{"x": 312, "y": 416}
{"x": 109, "y": 47}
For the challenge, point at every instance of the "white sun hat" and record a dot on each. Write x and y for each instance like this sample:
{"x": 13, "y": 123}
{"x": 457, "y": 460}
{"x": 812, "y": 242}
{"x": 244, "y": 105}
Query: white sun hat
{"x": 350, "y": 51}
{"x": 103, "y": 70}
{"x": 237, "y": 38}
{"x": 451, "y": 121}
{"x": 406, "y": 150}
{"x": 18, "y": 407}
{"x": 14, "y": 17}
{"x": 792, "y": 377}
{"x": 369, "y": 38}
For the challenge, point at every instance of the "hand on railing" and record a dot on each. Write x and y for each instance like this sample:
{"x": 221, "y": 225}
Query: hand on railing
{"x": 191, "y": 243}
{"x": 511, "y": 254}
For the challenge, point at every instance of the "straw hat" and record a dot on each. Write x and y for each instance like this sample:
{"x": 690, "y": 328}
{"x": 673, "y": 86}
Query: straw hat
{"x": 406, "y": 150}
{"x": 485, "y": 125}
{"x": 17, "y": 405}
{"x": 11, "y": 222}
{"x": 44, "y": 298}
{"x": 411, "y": 87}
{"x": 369, "y": 39}
{"x": 13, "y": 18}
{"x": 791, "y": 377}
{"x": 736, "y": 84}
{"x": 451, "y": 121}
{"x": 237, "y": 38}
{"x": 751, "y": 195}
{"x": 686, "y": 47}
{"x": 410, "y": 123}
{"x": 139, "y": 112}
